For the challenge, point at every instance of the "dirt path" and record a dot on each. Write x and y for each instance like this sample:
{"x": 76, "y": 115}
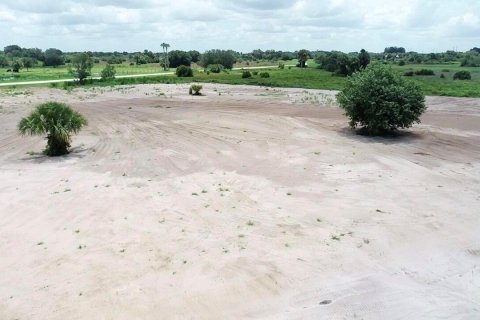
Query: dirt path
{"x": 244, "y": 203}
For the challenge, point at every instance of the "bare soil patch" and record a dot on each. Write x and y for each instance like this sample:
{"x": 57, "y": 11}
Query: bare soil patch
{"x": 247, "y": 202}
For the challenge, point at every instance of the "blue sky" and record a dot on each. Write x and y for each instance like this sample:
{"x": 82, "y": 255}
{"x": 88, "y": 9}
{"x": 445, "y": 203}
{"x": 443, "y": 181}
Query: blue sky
{"x": 243, "y": 25}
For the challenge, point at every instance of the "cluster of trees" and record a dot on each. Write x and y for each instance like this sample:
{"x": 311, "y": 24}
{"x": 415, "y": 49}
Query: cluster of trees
{"x": 471, "y": 58}
{"x": 18, "y": 57}
{"x": 341, "y": 63}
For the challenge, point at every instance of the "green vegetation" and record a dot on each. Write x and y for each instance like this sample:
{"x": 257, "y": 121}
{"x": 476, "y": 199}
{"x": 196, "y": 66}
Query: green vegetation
{"x": 58, "y": 121}
{"x": 224, "y": 57}
{"x": 380, "y": 100}
{"x": 246, "y": 74}
{"x": 424, "y": 72}
{"x": 195, "y": 90}
{"x": 184, "y": 71}
{"x": 108, "y": 73}
{"x": 326, "y": 70}
{"x": 81, "y": 68}
{"x": 264, "y": 75}
{"x": 462, "y": 75}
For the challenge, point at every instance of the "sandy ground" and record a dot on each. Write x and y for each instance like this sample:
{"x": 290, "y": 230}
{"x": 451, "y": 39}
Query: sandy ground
{"x": 245, "y": 203}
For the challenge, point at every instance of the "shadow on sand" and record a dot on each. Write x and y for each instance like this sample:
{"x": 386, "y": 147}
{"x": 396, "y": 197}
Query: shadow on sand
{"x": 394, "y": 137}
{"x": 75, "y": 153}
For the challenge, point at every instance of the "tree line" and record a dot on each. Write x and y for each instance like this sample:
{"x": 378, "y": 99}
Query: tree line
{"x": 340, "y": 63}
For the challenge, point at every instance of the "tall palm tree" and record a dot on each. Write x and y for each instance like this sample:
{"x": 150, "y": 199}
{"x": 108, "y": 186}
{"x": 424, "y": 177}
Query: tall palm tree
{"x": 303, "y": 56}
{"x": 165, "y": 47}
{"x": 58, "y": 121}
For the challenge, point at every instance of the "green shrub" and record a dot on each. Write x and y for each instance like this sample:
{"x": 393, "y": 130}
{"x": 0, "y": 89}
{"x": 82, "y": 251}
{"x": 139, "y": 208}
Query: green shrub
{"x": 409, "y": 74}
{"x": 401, "y": 63}
{"x": 215, "y": 68}
{"x": 58, "y": 121}
{"x": 462, "y": 75}
{"x": 445, "y": 70}
{"x": 264, "y": 75}
{"x": 246, "y": 74}
{"x": 281, "y": 65}
{"x": 255, "y": 73}
{"x": 425, "y": 72}
{"x": 380, "y": 100}
{"x": 195, "y": 90}
{"x": 442, "y": 76}
{"x": 184, "y": 71}
{"x": 108, "y": 73}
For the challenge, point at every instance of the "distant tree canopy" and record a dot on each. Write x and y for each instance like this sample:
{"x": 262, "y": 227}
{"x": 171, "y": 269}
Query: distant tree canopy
{"x": 179, "y": 58}
{"x": 224, "y": 57}
{"x": 476, "y": 49}
{"x": 394, "y": 50}
{"x": 54, "y": 57}
{"x": 3, "y": 61}
{"x": 13, "y": 50}
{"x": 471, "y": 59}
{"x": 195, "y": 55}
{"x": 341, "y": 63}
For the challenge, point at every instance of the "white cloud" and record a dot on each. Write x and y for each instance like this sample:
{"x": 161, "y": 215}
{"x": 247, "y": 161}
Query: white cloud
{"x": 243, "y": 25}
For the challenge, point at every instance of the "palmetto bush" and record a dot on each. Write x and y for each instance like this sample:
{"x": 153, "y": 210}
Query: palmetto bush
{"x": 58, "y": 121}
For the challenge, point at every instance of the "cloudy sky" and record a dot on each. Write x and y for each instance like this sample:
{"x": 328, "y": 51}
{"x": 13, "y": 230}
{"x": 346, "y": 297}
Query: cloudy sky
{"x": 243, "y": 25}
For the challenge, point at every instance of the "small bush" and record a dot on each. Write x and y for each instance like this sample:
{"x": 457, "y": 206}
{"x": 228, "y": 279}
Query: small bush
{"x": 442, "y": 76}
{"x": 401, "y": 63}
{"x": 445, "y": 70}
{"x": 380, "y": 100}
{"x": 425, "y": 72}
{"x": 108, "y": 73}
{"x": 264, "y": 75}
{"x": 281, "y": 65}
{"x": 246, "y": 74}
{"x": 409, "y": 74}
{"x": 184, "y": 71}
{"x": 195, "y": 89}
{"x": 462, "y": 75}
{"x": 255, "y": 73}
{"x": 215, "y": 68}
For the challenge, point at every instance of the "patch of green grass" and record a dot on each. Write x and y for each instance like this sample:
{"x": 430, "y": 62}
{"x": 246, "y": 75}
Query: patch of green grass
{"x": 291, "y": 77}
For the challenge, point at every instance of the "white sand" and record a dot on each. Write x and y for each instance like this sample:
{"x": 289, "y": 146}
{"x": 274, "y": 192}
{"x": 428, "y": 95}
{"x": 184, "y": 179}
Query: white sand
{"x": 250, "y": 204}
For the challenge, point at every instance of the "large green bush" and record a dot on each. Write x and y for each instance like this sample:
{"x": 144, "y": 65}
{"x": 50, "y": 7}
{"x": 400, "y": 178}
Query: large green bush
{"x": 380, "y": 100}
{"x": 58, "y": 121}
{"x": 215, "y": 68}
{"x": 462, "y": 75}
{"x": 246, "y": 74}
{"x": 184, "y": 71}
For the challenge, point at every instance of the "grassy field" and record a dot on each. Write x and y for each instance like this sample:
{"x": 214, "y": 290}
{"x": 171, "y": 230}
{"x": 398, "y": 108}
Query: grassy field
{"x": 309, "y": 78}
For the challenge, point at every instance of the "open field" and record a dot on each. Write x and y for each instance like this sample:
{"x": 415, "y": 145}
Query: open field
{"x": 310, "y": 78}
{"x": 246, "y": 202}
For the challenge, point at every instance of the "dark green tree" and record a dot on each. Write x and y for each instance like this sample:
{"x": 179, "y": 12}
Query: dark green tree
{"x": 54, "y": 57}
{"x": 81, "y": 67}
{"x": 179, "y": 58}
{"x": 303, "y": 56}
{"x": 380, "y": 100}
{"x": 363, "y": 58}
{"x": 224, "y": 57}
